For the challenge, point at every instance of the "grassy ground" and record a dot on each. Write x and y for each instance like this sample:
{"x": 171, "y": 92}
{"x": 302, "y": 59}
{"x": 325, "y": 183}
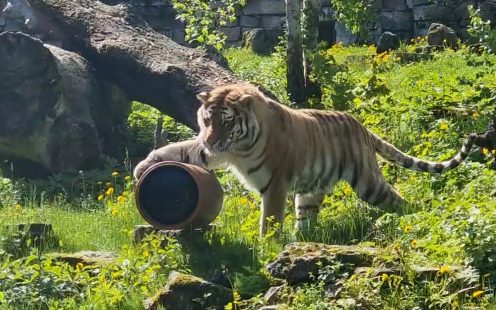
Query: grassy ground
{"x": 423, "y": 107}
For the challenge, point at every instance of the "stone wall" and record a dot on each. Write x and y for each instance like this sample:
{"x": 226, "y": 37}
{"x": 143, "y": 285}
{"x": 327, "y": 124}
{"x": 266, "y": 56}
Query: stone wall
{"x": 410, "y": 18}
{"x": 407, "y": 18}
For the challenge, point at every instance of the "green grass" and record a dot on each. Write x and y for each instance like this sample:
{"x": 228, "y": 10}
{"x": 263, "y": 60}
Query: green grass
{"x": 425, "y": 108}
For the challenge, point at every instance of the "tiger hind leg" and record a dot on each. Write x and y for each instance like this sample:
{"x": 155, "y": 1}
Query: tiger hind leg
{"x": 307, "y": 208}
{"x": 375, "y": 190}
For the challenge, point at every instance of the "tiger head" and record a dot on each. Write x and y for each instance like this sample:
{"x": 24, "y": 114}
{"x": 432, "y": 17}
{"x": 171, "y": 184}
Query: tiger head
{"x": 227, "y": 118}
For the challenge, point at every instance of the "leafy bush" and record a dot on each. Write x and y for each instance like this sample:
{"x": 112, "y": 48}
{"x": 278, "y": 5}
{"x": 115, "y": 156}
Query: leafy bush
{"x": 205, "y": 18}
{"x": 142, "y": 122}
{"x": 481, "y": 31}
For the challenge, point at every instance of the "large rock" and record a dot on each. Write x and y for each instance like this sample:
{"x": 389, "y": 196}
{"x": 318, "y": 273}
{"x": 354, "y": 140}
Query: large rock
{"x": 261, "y": 41}
{"x": 441, "y": 35}
{"x": 187, "y": 292}
{"x": 388, "y": 42}
{"x": 46, "y": 95}
{"x": 301, "y": 261}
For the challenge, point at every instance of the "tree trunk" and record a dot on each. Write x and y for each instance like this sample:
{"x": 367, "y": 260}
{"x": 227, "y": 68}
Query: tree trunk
{"x": 294, "y": 61}
{"x": 147, "y": 65}
{"x": 310, "y": 35}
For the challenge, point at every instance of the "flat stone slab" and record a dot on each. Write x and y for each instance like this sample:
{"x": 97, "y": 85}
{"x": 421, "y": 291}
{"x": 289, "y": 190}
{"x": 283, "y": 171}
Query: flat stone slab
{"x": 301, "y": 260}
{"x": 84, "y": 258}
{"x": 142, "y": 231}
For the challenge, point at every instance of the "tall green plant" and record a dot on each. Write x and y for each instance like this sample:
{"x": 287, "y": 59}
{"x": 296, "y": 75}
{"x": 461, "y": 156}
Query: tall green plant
{"x": 354, "y": 15}
{"x": 204, "y": 18}
{"x": 480, "y": 30}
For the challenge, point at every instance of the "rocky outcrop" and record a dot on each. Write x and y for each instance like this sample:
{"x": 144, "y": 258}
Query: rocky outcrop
{"x": 441, "y": 35}
{"x": 188, "y": 292}
{"x": 388, "y": 42}
{"x": 261, "y": 41}
{"x": 55, "y": 109}
{"x": 301, "y": 261}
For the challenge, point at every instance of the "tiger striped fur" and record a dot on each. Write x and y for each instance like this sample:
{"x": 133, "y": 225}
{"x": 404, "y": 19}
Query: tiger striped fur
{"x": 274, "y": 149}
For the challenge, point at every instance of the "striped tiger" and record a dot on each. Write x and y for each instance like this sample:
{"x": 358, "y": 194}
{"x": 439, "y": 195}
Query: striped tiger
{"x": 274, "y": 149}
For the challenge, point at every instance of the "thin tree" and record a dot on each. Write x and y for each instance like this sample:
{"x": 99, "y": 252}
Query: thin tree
{"x": 302, "y": 20}
{"x": 295, "y": 68}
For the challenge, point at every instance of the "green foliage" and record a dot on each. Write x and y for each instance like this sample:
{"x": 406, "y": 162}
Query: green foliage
{"x": 8, "y": 194}
{"x": 142, "y": 122}
{"x": 356, "y": 15}
{"x": 481, "y": 31}
{"x": 269, "y": 71}
{"x": 204, "y": 19}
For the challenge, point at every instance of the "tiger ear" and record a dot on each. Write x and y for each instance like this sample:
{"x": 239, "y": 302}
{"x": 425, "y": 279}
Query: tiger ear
{"x": 245, "y": 100}
{"x": 203, "y": 97}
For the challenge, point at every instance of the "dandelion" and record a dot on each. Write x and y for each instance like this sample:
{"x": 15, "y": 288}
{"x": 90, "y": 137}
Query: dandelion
{"x": 414, "y": 243}
{"x": 444, "y": 269}
{"x": 408, "y": 228}
{"x": 114, "y": 211}
{"x": 121, "y": 199}
{"x": 128, "y": 178}
{"x": 485, "y": 151}
{"x": 493, "y": 152}
{"x": 243, "y": 201}
{"x": 18, "y": 207}
{"x": 455, "y": 304}
{"x": 443, "y": 126}
{"x": 100, "y": 197}
{"x": 115, "y": 173}
{"x": 146, "y": 253}
{"x": 384, "y": 277}
{"x": 477, "y": 293}
{"x": 347, "y": 191}
{"x": 110, "y": 191}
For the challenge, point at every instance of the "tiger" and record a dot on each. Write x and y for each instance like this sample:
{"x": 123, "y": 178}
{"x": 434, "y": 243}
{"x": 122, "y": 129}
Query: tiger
{"x": 274, "y": 149}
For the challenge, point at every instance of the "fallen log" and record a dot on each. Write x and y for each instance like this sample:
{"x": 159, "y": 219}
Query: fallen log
{"x": 148, "y": 66}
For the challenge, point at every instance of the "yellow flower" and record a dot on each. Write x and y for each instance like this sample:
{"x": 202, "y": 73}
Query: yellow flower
{"x": 408, "y": 228}
{"x": 146, "y": 253}
{"x": 443, "y": 126}
{"x": 444, "y": 269}
{"x": 493, "y": 152}
{"x": 485, "y": 151}
{"x": 114, "y": 211}
{"x": 110, "y": 191}
{"x": 243, "y": 201}
{"x": 128, "y": 178}
{"x": 384, "y": 277}
{"x": 18, "y": 206}
{"x": 115, "y": 173}
{"x": 100, "y": 197}
{"x": 357, "y": 101}
{"x": 121, "y": 199}
{"x": 79, "y": 266}
{"x": 455, "y": 304}
{"x": 347, "y": 191}
{"x": 477, "y": 293}
{"x": 414, "y": 243}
